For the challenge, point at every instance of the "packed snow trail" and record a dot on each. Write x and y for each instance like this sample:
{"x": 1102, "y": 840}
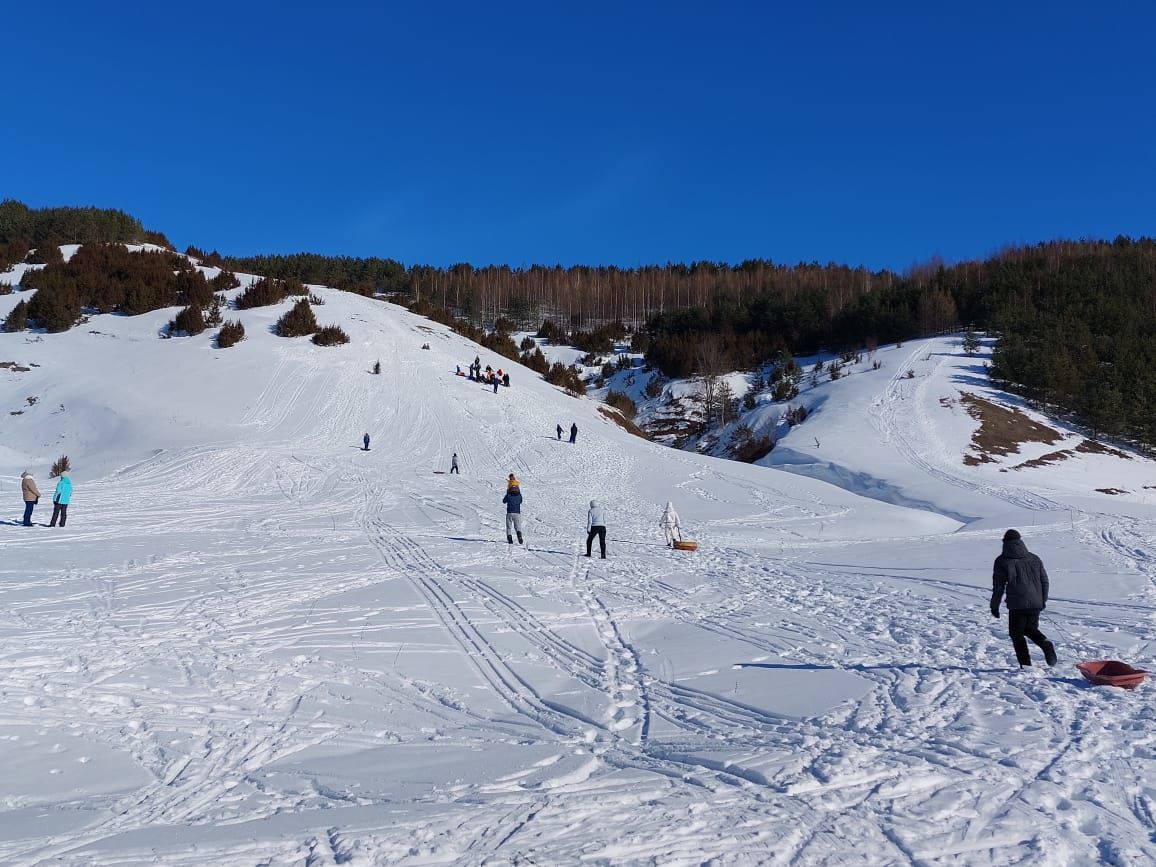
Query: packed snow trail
{"x": 265, "y": 645}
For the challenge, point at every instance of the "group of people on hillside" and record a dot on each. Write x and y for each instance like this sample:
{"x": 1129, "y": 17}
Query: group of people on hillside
{"x": 488, "y": 377}
{"x": 61, "y": 497}
{"x": 573, "y": 432}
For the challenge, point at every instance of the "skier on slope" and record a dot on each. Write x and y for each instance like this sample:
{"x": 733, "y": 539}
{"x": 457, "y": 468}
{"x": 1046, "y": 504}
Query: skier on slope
{"x": 365, "y": 443}
{"x": 60, "y": 500}
{"x": 513, "y": 501}
{"x": 454, "y": 464}
{"x": 31, "y": 495}
{"x": 574, "y": 432}
{"x": 1020, "y": 575}
{"x": 596, "y": 526}
{"x": 559, "y": 433}
{"x": 670, "y": 524}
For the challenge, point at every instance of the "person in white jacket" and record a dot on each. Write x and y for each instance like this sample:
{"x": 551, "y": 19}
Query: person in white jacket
{"x": 596, "y": 526}
{"x": 670, "y": 525}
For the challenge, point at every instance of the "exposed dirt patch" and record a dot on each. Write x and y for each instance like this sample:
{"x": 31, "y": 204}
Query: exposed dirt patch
{"x": 14, "y": 367}
{"x": 623, "y": 422}
{"x": 1111, "y": 491}
{"x": 1001, "y": 430}
{"x": 1091, "y": 447}
{"x": 1044, "y": 460}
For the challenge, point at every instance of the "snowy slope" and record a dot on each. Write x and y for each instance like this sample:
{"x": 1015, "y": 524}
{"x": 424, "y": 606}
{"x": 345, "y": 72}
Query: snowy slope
{"x": 256, "y": 643}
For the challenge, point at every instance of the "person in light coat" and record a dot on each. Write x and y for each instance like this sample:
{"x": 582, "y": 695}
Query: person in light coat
{"x": 596, "y": 526}
{"x": 670, "y": 524}
{"x": 61, "y": 497}
{"x": 31, "y": 495}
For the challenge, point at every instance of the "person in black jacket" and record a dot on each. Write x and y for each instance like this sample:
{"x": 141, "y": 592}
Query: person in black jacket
{"x": 1019, "y": 575}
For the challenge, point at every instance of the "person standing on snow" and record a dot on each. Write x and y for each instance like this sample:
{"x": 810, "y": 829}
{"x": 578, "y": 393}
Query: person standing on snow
{"x": 496, "y": 383}
{"x": 31, "y": 495}
{"x": 596, "y": 526}
{"x": 670, "y": 525}
{"x": 1020, "y": 575}
{"x": 513, "y": 501}
{"x": 574, "y": 432}
{"x": 559, "y": 433}
{"x": 60, "y": 499}
{"x": 365, "y": 443}
{"x": 454, "y": 464}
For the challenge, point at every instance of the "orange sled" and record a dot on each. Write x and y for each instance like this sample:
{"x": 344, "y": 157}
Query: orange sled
{"x": 1112, "y": 672}
{"x": 685, "y": 545}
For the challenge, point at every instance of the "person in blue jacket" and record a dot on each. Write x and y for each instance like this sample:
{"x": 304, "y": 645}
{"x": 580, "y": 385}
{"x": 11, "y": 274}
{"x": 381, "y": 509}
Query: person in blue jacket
{"x": 61, "y": 497}
{"x": 513, "y": 501}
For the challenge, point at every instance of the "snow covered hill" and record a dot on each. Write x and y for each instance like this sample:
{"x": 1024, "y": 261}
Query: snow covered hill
{"x": 256, "y": 643}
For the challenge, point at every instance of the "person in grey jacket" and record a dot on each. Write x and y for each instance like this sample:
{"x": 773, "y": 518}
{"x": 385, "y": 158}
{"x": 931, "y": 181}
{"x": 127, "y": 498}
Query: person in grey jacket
{"x": 596, "y": 526}
{"x": 1019, "y": 575}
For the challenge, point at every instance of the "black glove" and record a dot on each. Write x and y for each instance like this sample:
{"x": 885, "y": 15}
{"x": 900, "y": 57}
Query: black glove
{"x": 995, "y": 611}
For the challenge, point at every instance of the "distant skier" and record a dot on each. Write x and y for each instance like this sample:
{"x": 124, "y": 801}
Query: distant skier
{"x": 31, "y": 495}
{"x": 60, "y": 500}
{"x": 559, "y": 433}
{"x": 670, "y": 525}
{"x": 596, "y": 526}
{"x": 574, "y": 432}
{"x": 454, "y": 464}
{"x": 1021, "y": 575}
{"x": 365, "y": 443}
{"x": 513, "y": 501}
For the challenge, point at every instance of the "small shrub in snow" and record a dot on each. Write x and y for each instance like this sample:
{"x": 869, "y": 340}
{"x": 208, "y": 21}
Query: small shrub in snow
{"x": 60, "y": 466}
{"x": 567, "y": 377}
{"x": 607, "y": 370}
{"x": 910, "y": 374}
{"x": 330, "y": 335}
{"x": 189, "y": 321}
{"x": 536, "y": 361}
{"x": 528, "y": 344}
{"x": 231, "y": 333}
{"x": 215, "y": 314}
{"x": 835, "y": 370}
{"x": 298, "y": 322}
{"x": 796, "y": 415}
{"x": 876, "y": 364}
{"x": 653, "y": 388}
{"x": 316, "y": 300}
{"x": 17, "y": 318}
{"x": 5, "y": 288}
{"x": 747, "y": 447}
{"x": 377, "y": 366}
{"x": 622, "y": 403}
{"x": 224, "y": 281}
{"x": 261, "y": 294}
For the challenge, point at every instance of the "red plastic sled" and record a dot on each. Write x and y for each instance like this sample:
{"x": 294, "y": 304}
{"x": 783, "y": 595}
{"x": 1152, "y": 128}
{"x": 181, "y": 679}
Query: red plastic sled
{"x": 1112, "y": 672}
{"x": 685, "y": 545}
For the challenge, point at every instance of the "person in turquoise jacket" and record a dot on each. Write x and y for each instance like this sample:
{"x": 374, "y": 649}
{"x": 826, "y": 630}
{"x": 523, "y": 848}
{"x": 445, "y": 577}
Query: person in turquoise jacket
{"x": 60, "y": 500}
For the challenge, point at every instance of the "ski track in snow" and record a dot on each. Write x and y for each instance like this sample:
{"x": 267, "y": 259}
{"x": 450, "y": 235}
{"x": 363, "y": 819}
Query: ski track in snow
{"x": 324, "y": 603}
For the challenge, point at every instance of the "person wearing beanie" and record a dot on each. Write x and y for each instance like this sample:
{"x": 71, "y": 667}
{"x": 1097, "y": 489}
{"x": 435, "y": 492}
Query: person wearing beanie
{"x": 31, "y": 495}
{"x": 61, "y": 497}
{"x": 1019, "y": 576}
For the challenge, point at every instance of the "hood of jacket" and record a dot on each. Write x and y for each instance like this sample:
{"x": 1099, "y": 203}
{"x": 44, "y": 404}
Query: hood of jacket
{"x": 1015, "y": 549}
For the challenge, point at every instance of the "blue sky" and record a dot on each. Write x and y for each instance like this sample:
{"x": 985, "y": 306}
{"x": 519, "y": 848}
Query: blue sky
{"x": 600, "y": 133}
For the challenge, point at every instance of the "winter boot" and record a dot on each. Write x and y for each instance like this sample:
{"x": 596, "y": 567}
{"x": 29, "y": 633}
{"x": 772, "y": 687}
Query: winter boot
{"x": 510, "y": 539}
{"x": 1049, "y": 653}
{"x": 520, "y": 542}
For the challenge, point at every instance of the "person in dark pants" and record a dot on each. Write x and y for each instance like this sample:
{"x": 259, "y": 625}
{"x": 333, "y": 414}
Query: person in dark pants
{"x": 1020, "y": 575}
{"x": 61, "y": 497}
{"x": 365, "y": 443}
{"x": 496, "y": 382}
{"x": 574, "y": 432}
{"x": 559, "y": 433}
{"x": 596, "y": 526}
{"x": 454, "y": 464}
{"x": 31, "y": 495}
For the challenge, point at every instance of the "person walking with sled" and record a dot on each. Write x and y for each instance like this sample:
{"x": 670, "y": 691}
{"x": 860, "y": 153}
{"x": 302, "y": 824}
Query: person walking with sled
{"x": 670, "y": 525}
{"x": 1019, "y": 575}
{"x": 513, "y": 501}
{"x": 60, "y": 500}
{"x": 596, "y": 526}
{"x": 365, "y": 443}
{"x": 574, "y": 432}
{"x": 559, "y": 433}
{"x": 454, "y": 465}
{"x": 31, "y": 495}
